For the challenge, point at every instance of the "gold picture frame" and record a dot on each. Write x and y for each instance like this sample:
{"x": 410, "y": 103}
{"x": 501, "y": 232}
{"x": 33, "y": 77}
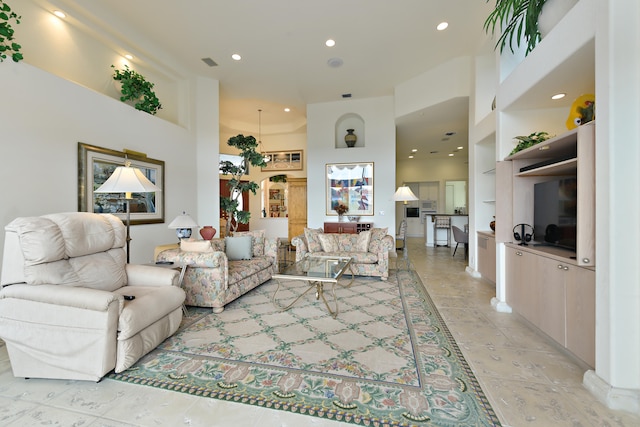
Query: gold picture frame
{"x": 96, "y": 164}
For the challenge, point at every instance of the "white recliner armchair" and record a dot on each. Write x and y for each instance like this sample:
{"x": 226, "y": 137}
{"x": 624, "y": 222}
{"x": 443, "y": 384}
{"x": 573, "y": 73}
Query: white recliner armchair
{"x": 63, "y": 312}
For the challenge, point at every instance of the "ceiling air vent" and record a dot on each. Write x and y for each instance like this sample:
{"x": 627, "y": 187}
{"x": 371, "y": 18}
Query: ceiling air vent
{"x": 210, "y": 62}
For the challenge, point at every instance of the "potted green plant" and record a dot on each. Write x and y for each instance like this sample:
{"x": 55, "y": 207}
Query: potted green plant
{"x": 136, "y": 89}
{"x": 518, "y": 20}
{"x": 7, "y": 45}
{"x": 229, "y": 205}
{"x": 529, "y": 141}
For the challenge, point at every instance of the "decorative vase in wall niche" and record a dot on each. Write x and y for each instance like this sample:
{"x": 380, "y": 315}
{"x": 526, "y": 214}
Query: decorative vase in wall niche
{"x": 350, "y": 138}
{"x": 207, "y": 232}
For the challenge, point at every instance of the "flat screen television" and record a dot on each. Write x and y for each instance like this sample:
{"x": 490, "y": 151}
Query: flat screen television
{"x": 555, "y": 212}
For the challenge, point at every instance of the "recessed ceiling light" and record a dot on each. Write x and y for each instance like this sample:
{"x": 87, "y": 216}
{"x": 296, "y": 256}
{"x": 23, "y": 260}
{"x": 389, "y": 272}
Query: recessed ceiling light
{"x": 442, "y": 26}
{"x": 411, "y": 157}
{"x": 559, "y": 96}
{"x": 450, "y": 154}
{"x": 460, "y": 148}
{"x": 330, "y": 43}
{"x": 415, "y": 150}
{"x": 236, "y": 57}
{"x": 59, "y": 14}
{"x": 128, "y": 56}
{"x": 286, "y": 110}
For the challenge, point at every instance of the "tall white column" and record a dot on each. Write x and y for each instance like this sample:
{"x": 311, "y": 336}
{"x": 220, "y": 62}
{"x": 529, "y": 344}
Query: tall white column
{"x": 616, "y": 380}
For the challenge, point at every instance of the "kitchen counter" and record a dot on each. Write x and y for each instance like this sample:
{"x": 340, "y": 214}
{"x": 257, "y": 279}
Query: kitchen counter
{"x": 456, "y": 219}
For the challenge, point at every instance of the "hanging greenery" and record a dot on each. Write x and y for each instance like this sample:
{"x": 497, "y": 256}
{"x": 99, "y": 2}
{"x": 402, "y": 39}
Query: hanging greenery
{"x": 278, "y": 178}
{"x": 7, "y": 45}
{"x": 518, "y": 20}
{"x": 137, "y": 89}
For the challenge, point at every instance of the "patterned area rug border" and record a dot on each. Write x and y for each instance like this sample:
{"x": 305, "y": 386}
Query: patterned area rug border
{"x": 449, "y": 394}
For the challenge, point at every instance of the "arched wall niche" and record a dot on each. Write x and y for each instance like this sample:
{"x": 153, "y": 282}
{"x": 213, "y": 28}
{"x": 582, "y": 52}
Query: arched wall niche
{"x": 349, "y": 121}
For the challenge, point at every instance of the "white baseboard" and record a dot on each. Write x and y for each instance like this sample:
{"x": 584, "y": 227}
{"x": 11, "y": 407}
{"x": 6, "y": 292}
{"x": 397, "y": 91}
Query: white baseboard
{"x": 500, "y": 306}
{"x": 614, "y": 398}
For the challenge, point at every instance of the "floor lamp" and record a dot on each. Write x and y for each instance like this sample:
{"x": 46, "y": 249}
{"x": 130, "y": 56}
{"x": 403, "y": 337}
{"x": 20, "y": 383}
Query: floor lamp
{"x": 404, "y": 194}
{"x": 126, "y": 179}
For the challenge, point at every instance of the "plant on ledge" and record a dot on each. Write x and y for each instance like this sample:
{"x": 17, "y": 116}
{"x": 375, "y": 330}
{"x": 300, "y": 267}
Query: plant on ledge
{"x": 529, "y": 141}
{"x": 137, "y": 89}
{"x": 229, "y": 205}
{"x": 7, "y": 45}
{"x": 519, "y": 19}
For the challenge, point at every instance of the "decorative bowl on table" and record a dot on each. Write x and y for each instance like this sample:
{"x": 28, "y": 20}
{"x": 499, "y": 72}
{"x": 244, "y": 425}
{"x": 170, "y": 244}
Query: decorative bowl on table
{"x": 353, "y": 218}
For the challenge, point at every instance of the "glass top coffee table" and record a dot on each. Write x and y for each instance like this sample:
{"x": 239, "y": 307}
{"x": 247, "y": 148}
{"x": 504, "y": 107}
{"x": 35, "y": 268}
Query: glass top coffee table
{"x": 315, "y": 271}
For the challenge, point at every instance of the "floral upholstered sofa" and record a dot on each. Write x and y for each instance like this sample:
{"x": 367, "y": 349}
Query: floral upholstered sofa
{"x": 217, "y": 274}
{"x": 369, "y": 249}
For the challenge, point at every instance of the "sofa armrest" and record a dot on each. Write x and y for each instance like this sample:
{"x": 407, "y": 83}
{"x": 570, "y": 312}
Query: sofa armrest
{"x": 148, "y": 275}
{"x": 214, "y": 259}
{"x": 67, "y": 296}
{"x": 301, "y": 246}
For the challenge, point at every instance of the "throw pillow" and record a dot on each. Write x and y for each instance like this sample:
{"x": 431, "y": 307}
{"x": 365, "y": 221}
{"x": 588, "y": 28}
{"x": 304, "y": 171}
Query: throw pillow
{"x": 313, "y": 242}
{"x": 328, "y": 242}
{"x": 362, "y": 244}
{"x": 238, "y": 248}
{"x": 195, "y": 246}
{"x": 257, "y": 240}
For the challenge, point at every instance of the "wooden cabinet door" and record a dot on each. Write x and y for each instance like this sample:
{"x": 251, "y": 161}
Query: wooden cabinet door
{"x": 581, "y": 313}
{"x": 297, "y": 206}
{"x": 552, "y": 275}
{"x": 487, "y": 257}
{"x": 522, "y": 294}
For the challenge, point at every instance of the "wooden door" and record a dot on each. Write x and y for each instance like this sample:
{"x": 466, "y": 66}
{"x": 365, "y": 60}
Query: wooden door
{"x": 224, "y": 192}
{"x": 297, "y": 206}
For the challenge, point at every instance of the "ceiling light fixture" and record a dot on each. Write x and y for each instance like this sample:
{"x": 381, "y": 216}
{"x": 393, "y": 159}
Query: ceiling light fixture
{"x": 450, "y": 154}
{"x": 442, "y": 26}
{"x": 330, "y": 43}
{"x": 129, "y": 56}
{"x": 559, "y": 96}
{"x": 460, "y": 148}
{"x": 265, "y": 157}
{"x": 411, "y": 157}
{"x": 236, "y": 57}
{"x": 59, "y": 14}
{"x": 286, "y": 110}
{"x": 414, "y": 150}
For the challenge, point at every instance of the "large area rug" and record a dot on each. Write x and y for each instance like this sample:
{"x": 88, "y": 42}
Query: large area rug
{"x": 388, "y": 358}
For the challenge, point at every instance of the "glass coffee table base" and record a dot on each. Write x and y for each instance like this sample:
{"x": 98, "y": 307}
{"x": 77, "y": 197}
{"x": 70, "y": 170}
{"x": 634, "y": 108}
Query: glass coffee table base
{"x": 319, "y": 287}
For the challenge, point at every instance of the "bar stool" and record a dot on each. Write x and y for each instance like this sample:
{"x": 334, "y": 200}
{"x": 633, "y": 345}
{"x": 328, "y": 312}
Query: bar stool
{"x": 442, "y": 223}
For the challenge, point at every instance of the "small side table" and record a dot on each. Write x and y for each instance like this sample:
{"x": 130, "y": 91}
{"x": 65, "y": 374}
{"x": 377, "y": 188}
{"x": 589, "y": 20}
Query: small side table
{"x": 182, "y": 268}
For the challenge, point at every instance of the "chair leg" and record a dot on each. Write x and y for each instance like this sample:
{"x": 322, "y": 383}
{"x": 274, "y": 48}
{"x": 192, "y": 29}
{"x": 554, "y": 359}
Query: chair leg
{"x": 454, "y": 251}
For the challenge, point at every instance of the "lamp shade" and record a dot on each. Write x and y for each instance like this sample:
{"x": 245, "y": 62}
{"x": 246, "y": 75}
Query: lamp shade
{"x": 183, "y": 221}
{"x": 126, "y": 179}
{"x": 404, "y": 194}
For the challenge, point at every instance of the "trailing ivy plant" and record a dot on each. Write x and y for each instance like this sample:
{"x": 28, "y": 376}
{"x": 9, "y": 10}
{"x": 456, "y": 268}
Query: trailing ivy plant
{"x": 529, "y": 141}
{"x": 518, "y": 19}
{"x": 7, "y": 45}
{"x": 229, "y": 205}
{"x": 137, "y": 89}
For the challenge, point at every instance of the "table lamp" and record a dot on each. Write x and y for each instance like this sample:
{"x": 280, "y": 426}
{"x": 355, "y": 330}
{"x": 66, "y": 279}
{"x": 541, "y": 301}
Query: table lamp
{"x": 183, "y": 224}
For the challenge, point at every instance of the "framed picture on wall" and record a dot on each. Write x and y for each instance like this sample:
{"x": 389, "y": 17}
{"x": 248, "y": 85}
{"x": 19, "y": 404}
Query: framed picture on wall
{"x": 95, "y": 166}
{"x": 351, "y": 185}
{"x": 283, "y": 160}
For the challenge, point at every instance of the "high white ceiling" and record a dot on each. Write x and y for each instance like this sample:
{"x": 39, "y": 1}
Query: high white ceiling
{"x": 285, "y": 62}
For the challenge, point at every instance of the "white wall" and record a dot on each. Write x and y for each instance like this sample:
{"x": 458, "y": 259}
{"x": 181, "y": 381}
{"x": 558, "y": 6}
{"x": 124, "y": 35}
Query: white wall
{"x": 379, "y": 148}
{"x": 43, "y": 117}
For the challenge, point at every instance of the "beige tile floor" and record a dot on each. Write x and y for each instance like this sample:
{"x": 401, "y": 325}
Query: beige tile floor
{"x": 528, "y": 379}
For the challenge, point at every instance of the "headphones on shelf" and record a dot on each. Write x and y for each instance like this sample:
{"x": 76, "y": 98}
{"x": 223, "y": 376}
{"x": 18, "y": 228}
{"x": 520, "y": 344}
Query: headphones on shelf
{"x": 522, "y": 236}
